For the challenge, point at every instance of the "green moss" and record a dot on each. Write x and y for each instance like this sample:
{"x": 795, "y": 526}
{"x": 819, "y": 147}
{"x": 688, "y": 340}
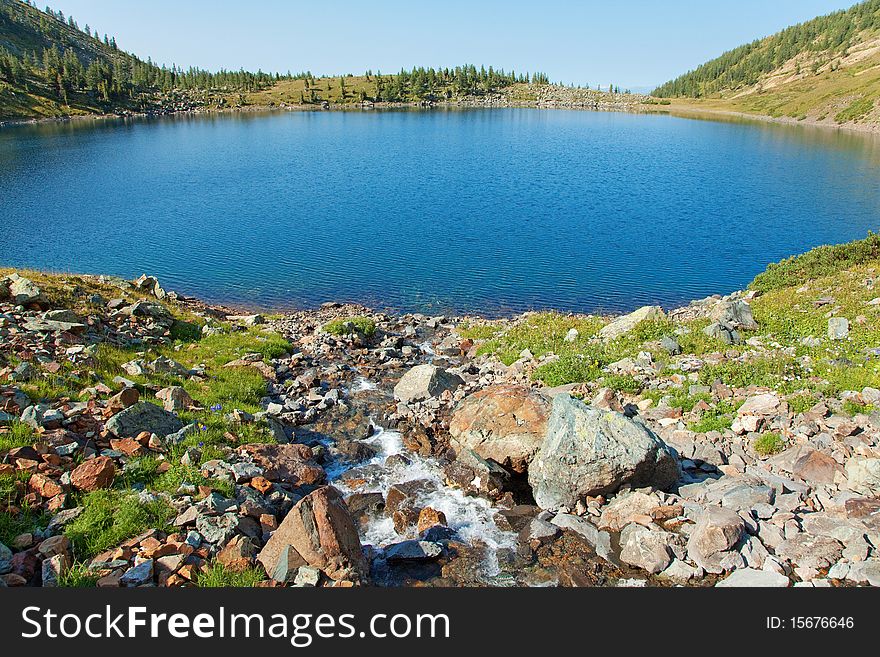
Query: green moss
{"x": 111, "y": 517}
{"x": 350, "y": 325}
{"x": 217, "y": 576}
{"x": 768, "y": 444}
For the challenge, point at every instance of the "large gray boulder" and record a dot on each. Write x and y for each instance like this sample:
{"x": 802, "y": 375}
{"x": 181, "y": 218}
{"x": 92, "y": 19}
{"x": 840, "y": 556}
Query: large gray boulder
{"x": 23, "y": 291}
{"x": 737, "y": 314}
{"x": 424, "y": 382}
{"x": 591, "y": 452}
{"x": 143, "y": 417}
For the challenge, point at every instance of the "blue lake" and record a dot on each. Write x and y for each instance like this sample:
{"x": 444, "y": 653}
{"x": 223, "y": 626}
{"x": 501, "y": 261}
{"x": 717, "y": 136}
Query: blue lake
{"x": 490, "y": 211}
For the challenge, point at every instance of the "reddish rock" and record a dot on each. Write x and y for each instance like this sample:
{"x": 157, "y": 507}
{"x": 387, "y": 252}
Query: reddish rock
{"x": 238, "y": 554}
{"x": 503, "y": 423}
{"x": 429, "y": 517}
{"x": 816, "y": 467}
{"x": 261, "y": 484}
{"x": 94, "y": 474}
{"x": 119, "y": 402}
{"x": 43, "y": 485}
{"x": 322, "y": 533}
{"x": 292, "y": 464}
{"x": 128, "y": 446}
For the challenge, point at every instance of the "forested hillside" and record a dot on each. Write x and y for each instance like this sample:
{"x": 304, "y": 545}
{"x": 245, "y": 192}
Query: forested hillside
{"x": 826, "y": 70}
{"x": 50, "y": 65}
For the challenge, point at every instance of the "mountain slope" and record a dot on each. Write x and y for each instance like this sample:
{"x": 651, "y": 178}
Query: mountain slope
{"x": 826, "y": 71}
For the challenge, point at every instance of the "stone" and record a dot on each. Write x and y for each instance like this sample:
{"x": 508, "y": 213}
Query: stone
{"x": 44, "y": 486}
{"x": 746, "y": 496}
{"x": 429, "y": 517}
{"x": 817, "y": 468}
{"x": 94, "y": 474}
{"x": 321, "y": 530}
{"x": 762, "y": 405}
{"x": 627, "y": 323}
{"x": 413, "y": 551}
{"x": 290, "y": 463}
{"x": 425, "y": 382}
{"x": 23, "y": 291}
{"x": 53, "y": 569}
{"x": 504, "y": 423}
{"x": 670, "y": 345}
{"x": 143, "y": 417}
{"x": 717, "y": 531}
{"x": 625, "y": 509}
{"x": 175, "y": 399}
{"x": 810, "y": 551}
{"x": 724, "y": 333}
{"x": 238, "y": 554}
{"x": 737, "y": 314}
{"x": 838, "y": 328}
{"x": 588, "y": 452}
{"x": 600, "y": 541}
{"x": 645, "y": 549}
{"x": 863, "y": 474}
{"x": 307, "y": 577}
{"x": 287, "y": 566}
{"x": 217, "y": 529}
{"x": 752, "y": 578}
{"x": 138, "y": 575}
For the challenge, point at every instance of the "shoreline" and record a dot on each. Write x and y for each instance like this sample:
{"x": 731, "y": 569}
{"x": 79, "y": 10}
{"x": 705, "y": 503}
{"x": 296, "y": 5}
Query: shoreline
{"x": 677, "y": 110}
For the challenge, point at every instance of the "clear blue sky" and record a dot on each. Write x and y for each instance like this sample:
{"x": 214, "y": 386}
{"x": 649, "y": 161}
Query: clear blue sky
{"x": 633, "y": 43}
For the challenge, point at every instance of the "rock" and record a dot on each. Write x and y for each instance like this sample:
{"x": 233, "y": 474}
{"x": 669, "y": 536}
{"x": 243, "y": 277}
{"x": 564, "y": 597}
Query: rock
{"x": 817, "y": 468}
{"x": 23, "y": 291}
{"x": 589, "y": 452}
{"x": 94, "y": 474}
{"x": 238, "y": 554}
{"x": 762, "y": 405}
{"x": 605, "y": 399}
{"x": 751, "y": 578}
{"x": 838, "y": 328}
{"x": 670, "y": 345}
{"x": 138, "y": 575}
{"x": 424, "y": 382}
{"x": 175, "y": 399}
{"x": 307, "y": 577}
{"x": 5, "y": 559}
{"x": 723, "y": 332}
{"x": 287, "y": 566}
{"x": 247, "y": 320}
{"x": 810, "y": 551}
{"x": 717, "y": 531}
{"x": 627, "y": 323}
{"x": 863, "y": 474}
{"x": 321, "y": 530}
{"x": 645, "y": 549}
{"x": 626, "y": 509}
{"x": 504, "y": 423}
{"x": 572, "y": 335}
{"x": 865, "y": 572}
{"x": 746, "y": 496}
{"x": 737, "y": 314}
{"x": 428, "y": 518}
{"x": 600, "y": 541}
{"x": 413, "y": 551}
{"x": 217, "y": 529}
{"x": 291, "y": 463}
{"x": 53, "y": 569}
{"x": 143, "y": 417}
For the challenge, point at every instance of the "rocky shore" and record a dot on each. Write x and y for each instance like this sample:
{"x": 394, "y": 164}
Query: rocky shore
{"x": 152, "y": 440}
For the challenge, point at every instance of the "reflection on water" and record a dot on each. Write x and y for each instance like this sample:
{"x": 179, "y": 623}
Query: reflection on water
{"x": 494, "y": 211}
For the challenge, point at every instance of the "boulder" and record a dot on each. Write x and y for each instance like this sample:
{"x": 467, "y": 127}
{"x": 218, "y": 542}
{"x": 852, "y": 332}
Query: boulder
{"x": 424, "y": 382}
{"x": 762, "y": 405}
{"x": 291, "y": 463}
{"x": 23, "y": 291}
{"x": 94, "y": 474}
{"x": 589, "y": 452}
{"x": 322, "y": 533}
{"x": 175, "y": 399}
{"x": 863, "y": 474}
{"x": 737, "y": 314}
{"x": 717, "y": 531}
{"x": 645, "y": 549}
{"x": 627, "y": 323}
{"x": 142, "y": 417}
{"x": 504, "y": 423}
{"x": 838, "y": 328}
{"x": 723, "y": 332}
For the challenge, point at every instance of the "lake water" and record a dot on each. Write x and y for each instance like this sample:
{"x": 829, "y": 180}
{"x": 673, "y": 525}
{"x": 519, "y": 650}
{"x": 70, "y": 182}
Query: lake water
{"x": 492, "y": 211}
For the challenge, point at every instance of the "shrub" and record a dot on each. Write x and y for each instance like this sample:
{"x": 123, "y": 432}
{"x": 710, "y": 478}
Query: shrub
{"x": 768, "y": 444}
{"x": 348, "y": 326}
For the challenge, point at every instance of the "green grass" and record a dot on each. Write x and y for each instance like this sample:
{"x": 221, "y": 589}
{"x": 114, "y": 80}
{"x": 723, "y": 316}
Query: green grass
{"x": 852, "y": 408}
{"x": 12, "y": 525}
{"x": 217, "y": 576}
{"x": 821, "y": 261}
{"x": 768, "y": 444}
{"x": 111, "y": 517}
{"x": 856, "y": 110}
{"x": 79, "y": 576}
{"x": 350, "y": 325}
{"x": 801, "y": 403}
{"x": 622, "y": 383}
{"x": 719, "y": 418}
{"x": 470, "y": 331}
{"x": 15, "y": 435}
